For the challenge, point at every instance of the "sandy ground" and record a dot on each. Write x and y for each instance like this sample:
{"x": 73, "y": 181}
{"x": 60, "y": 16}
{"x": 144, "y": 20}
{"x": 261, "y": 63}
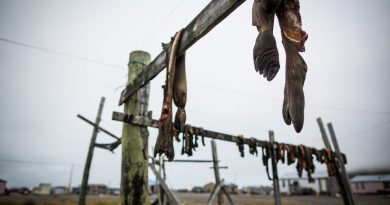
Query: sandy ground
{"x": 192, "y": 199}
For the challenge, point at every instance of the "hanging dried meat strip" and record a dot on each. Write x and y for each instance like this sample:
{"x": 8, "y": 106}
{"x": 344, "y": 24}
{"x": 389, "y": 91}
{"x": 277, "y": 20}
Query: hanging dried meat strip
{"x": 265, "y": 53}
{"x": 266, "y": 155}
{"x": 253, "y": 146}
{"x": 180, "y": 92}
{"x": 240, "y": 144}
{"x": 164, "y": 143}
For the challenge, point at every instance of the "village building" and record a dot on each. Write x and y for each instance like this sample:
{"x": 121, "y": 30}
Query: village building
{"x": 42, "y": 189}
{"x": 231, "y": 188}
{"x": 59, "y": 190}
{"x": 371, "y": 184}
{"x": 209, "y": 187}
{"x": 3, "y": 185}
{"x": 291, "y": 184}
{"x": 97, "y": 189}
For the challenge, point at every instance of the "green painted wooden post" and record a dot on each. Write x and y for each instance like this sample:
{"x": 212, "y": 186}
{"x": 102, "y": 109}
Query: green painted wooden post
{"x": 134, "y": 174}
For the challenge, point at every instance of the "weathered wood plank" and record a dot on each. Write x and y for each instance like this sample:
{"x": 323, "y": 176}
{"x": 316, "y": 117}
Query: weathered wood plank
{"x": 171, "y": 197}
{"x": 100, "y": 128}
{"x": 349, "y": 198}
{"x": 88, "y": 161}
{"x": 207, "y": 19}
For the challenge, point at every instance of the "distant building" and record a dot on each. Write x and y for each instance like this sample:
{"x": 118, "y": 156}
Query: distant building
{"x": 197, "y": 189}
{"x": 59, "y": 190}
{"x": 231, "y": 188}
{"x": 209, "y": 187}
{"x": 256, "y": 190}
{"x": 76, "y": 190}
{"x": 115, "y": 191}
{"x": 97, "y": 189}
{"x": 371, "y": 184}
{"x": 3, "y": 185}
{"x": 42, "y": 189}
{"x": 291, "y": 184}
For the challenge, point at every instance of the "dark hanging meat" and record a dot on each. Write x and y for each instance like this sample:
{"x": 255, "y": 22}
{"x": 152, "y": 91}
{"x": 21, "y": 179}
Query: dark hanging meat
{"x": 240, "y": 145}
{"x": 293, "y": 41}
{"x": 164, "y": 143}
{"x": 180, "y": 92}
{"x": 265, "y": 53}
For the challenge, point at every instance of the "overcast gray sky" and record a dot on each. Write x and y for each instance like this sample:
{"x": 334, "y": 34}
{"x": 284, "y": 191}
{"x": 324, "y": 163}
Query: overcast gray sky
{"x": 42, "y": 92}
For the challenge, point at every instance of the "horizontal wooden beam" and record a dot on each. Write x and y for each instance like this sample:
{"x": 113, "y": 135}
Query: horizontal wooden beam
{"x": 109, "y": 146}
{"x": 99, "y": 128}
{"x": 207, "y": 19}
{"x": 189, "y": 161}
{"x": 145, "y": 121}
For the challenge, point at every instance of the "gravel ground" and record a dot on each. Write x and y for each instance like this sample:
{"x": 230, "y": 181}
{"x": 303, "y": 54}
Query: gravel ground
{"x": 192, "y": 199}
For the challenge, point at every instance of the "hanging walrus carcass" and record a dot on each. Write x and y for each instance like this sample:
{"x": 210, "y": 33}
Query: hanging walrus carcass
{"x": 266, "y": 57}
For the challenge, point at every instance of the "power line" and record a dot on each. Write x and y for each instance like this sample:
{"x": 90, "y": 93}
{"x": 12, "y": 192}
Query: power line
{"x": 50, "y": 163}
{"x": 279, "y": 99}
{"x": 161, "y": 24}
{"x": 350, "y": 135}
{"x": 61, "y": 53}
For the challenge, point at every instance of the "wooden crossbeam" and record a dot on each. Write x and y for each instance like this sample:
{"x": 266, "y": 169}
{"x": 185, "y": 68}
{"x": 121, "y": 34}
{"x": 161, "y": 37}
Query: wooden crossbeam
{"x": 99, "y": 128}
{"x": 145, "y": 121}
{"x": 207, "y": 19}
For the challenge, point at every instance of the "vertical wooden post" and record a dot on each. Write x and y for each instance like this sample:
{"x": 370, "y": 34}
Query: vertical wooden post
{"x": 341, "y": 168}
{"x": 216, "y": 170}
{"x": 325, "y": 139}
{"x": 134, "y": 173}
{"x": 84, "y": 184}
{"x": 275, "y": 170}
{"x": 323, "y": 134}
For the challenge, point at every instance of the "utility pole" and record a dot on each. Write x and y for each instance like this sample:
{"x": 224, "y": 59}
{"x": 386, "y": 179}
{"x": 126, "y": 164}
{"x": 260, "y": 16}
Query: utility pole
{"x": 70, "y": 179}
{"x": 134, "y": 172}
{"x": 84, "y": 184}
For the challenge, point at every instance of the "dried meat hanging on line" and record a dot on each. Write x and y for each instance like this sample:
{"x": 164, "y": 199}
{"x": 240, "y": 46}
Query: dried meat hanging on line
{"x": 164, "y": 143}
{"x": 266, "y": 56}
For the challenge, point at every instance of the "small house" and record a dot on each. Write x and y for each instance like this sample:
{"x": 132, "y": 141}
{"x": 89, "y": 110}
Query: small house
{"x": 3, "y": 185}
{"x": 97, "y": 189}
{"x": 59, "y": 190}
{"x": 291, "y": 184}
{"x": 371, "y": 184}
{"x": 209, "y": 187}
{"x": 42, "y": 189}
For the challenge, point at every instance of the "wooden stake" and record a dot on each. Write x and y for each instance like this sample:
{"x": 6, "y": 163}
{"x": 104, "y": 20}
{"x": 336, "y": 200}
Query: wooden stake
{"x": 350, "y": 199}
{"x": 134, "y": 173}
{"x": 274, "y": 170}
{"x": 84, "y": 183}
{"x": 216, "y": 170}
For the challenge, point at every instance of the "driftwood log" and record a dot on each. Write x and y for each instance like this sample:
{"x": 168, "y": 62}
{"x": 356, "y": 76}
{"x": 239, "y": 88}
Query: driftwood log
{"x": 266, "y": 57}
